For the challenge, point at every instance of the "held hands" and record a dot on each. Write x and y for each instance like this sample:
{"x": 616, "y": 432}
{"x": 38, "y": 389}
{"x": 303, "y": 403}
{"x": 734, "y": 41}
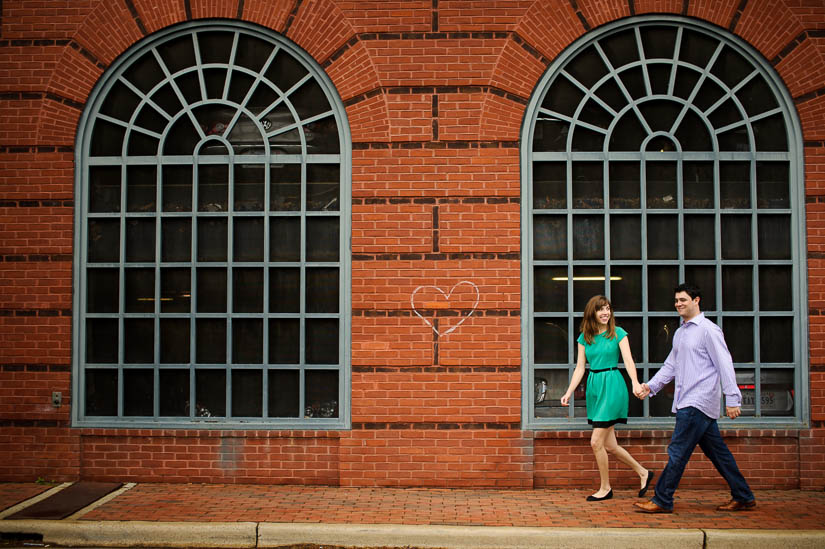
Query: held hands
{"x": 732, "y": 411}
{"x": 641, "y": 390}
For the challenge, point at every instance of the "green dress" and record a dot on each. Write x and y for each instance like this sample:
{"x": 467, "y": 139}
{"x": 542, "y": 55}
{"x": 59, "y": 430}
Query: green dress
{"x": 607, "y": 398}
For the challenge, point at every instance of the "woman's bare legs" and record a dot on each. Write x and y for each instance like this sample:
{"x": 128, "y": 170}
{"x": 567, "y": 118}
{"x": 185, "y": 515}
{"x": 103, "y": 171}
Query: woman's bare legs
{"x": 612, "y": 446}
{"x": 598, "y": 440}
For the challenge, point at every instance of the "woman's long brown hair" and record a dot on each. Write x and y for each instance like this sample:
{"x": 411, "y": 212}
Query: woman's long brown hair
{"x": 590, "y": 324}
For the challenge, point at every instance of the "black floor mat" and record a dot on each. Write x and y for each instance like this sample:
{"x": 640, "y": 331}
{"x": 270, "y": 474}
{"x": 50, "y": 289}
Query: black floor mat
{"x": 67, "y": 501}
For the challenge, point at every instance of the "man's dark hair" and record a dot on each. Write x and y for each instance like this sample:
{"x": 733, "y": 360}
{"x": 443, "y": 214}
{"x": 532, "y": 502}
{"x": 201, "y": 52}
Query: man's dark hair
{"x": 689, "y": 289}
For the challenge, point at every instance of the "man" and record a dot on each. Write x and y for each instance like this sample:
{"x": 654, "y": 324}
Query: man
{"x": 699, "y": 361}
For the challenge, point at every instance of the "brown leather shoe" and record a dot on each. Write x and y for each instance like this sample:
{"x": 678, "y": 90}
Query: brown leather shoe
{"x": 734, "y": 505}
{"x": 650, "y": 507}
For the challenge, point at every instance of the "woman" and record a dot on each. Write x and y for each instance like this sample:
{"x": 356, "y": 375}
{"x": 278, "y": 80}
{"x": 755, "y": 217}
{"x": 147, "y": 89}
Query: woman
{"x": 599, "y": 344}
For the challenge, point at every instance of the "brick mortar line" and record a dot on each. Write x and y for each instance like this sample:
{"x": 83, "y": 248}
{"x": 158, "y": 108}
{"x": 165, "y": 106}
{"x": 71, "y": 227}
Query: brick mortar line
{"x": 443, "y": 256}
{"x": 435, "y": 201}
{"x": 13, "y": 95}
{"x": 434, "y": 90}
{"x": 441, "y": 313}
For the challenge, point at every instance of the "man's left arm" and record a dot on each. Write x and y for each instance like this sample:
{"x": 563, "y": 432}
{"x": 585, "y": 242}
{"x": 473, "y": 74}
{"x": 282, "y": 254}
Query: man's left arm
{"x": 720, "y": 355}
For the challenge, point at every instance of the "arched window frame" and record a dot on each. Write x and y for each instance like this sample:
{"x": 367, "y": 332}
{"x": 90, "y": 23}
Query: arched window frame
{"x": 343, "y": 159}
{"x": 795, "y": 157}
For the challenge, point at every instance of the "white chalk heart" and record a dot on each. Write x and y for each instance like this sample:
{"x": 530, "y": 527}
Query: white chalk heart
{"x": 447, "y": 298}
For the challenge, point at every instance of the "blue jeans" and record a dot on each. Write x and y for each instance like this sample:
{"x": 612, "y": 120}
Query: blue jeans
{"x": 692, "y": 428}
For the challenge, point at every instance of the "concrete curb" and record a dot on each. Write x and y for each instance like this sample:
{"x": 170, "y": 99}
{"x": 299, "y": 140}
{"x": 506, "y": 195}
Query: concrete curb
{"x": 267, "y": 534}
{"x": 473, "y": 537}
{"x": 137, "y": 533}
{"x": 766, "y": 539}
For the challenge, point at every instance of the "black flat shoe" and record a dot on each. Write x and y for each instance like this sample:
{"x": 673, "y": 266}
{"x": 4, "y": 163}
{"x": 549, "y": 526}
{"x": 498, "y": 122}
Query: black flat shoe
{"x": 604, "y": 497}
{"x": 643, "y": 491}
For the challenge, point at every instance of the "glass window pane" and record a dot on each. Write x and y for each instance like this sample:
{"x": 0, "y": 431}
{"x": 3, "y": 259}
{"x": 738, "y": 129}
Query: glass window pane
{"x": 736, "y": 237}
{"x": 175, "y": 290}
{"x": 210, "y": 393}
{"x": 774, "y": 233}
{"x": 248, "y": 239}
{"x": 776, "y": 339}
{"x": 739, "y": 337}
{"x": 661, "y": 405}
{"x": 692, "y": 133}
{"x": 700, "y": 237}
{"x": 660, "y": 283}
{"x": 705, "y": 278}
{"x": 247, "y": 290}
{"x": 777, "y": 392}
{"x": 322, "y": 187}
{"x": 211, "y": 290}
{"x": 588, "y": 185}
{"x": 139, "y": 340}
{"x": 213, "y": 187}
{"x": 173, "y": 393}
{"x": 177, "y": 188}
{"x": 104, "y": 189}
{"x": 247, "y": 393}
{"x": 697, "y": 184}
{"x": 624, "y": 185}
{"x": 660, "y": 338}
{"x": 321, "y": 393}
{"x": 285, "y": 239}
{"x": 549, "y": 185}
{"x": 210, "y": 340}
{"x": 284, "y": 290}
{"x": 550, "y": 134}
{"x": 322, "y": 136}
{"x": 772, "y": 185}
{"x": 120, "y": 102}
{"x": 321, "y": 341}
{"x": 107, "y": 139}
{"x": 587, "y": 282}
{"x": 551, "y": 340}
{"x": 138, "y": 392}
{"x": 661, "y": 184}
{"x": 104, "y": 240}
{"x": 662, "y": 237}
{"x": 140, "y": 240}
{"x": 247, "y": 341}
{"x": 285, "y": 187}
{"x": 625, "y": 237}
{"x": 549, "y": 386}
{"x": 771, "y": 134}
{"x": 176, "y": 239}
{"x": 322, "y": 240}
{"x": 775, "y": 288}
{"x": 550, "y": 237}
{"x": 101, "y": 393}
{"x": 102, "y": 291}
{"x": 626, "y": 288}
{"x": 633, "y": 327}
{"x": 737, "y": 288}
{"x": 249, "y": 187}
{"x": 585, "y": 139}
{"x": 284, "y": 387}
{"x": 174, "y": 341}
{"x": 284, "y": 340}
{"x": 550, "y": 293}
{"x": 588, "y": 237}
{"x": 101, "y": 340}
{"x": 735, "y": 184}
{"x": 139, "y": 289}
{"x": 212, "y": 238}
{"x": 322, "y": 290}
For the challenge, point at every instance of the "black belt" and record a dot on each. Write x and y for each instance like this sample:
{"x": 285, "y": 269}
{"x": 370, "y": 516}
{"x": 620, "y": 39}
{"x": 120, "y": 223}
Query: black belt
{"x": 605, "y": 370}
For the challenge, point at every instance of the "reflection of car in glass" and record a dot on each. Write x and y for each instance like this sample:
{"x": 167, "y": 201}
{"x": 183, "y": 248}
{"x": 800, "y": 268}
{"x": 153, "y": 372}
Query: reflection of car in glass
{"x": 776, "y": 394}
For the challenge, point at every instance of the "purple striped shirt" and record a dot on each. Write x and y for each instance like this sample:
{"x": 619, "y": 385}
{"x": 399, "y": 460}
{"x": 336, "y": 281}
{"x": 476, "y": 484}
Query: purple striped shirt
{"x": 699, "y": 361}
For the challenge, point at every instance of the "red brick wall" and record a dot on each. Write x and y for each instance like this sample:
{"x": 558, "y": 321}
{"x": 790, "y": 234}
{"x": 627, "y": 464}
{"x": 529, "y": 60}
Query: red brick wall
{"x": 435, "y": 94}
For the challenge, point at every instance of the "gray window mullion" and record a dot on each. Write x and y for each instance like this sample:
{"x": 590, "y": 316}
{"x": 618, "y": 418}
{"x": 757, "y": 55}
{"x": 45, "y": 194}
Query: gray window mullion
{"x": 643, "y": 61}
{"x": 229, "y": 67}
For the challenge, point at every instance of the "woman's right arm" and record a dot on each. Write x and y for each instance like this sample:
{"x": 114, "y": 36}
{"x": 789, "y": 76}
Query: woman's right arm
{"x": 578, "y": 374}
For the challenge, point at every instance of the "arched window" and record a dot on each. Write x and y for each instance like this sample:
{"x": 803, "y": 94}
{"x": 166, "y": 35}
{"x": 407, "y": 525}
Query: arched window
{"x": 212, "y": 267}
{"x": 657, "y": 151}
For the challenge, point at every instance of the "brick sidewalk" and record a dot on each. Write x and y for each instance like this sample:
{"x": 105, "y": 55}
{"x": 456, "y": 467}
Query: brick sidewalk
{"x": 778, "y": 509}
